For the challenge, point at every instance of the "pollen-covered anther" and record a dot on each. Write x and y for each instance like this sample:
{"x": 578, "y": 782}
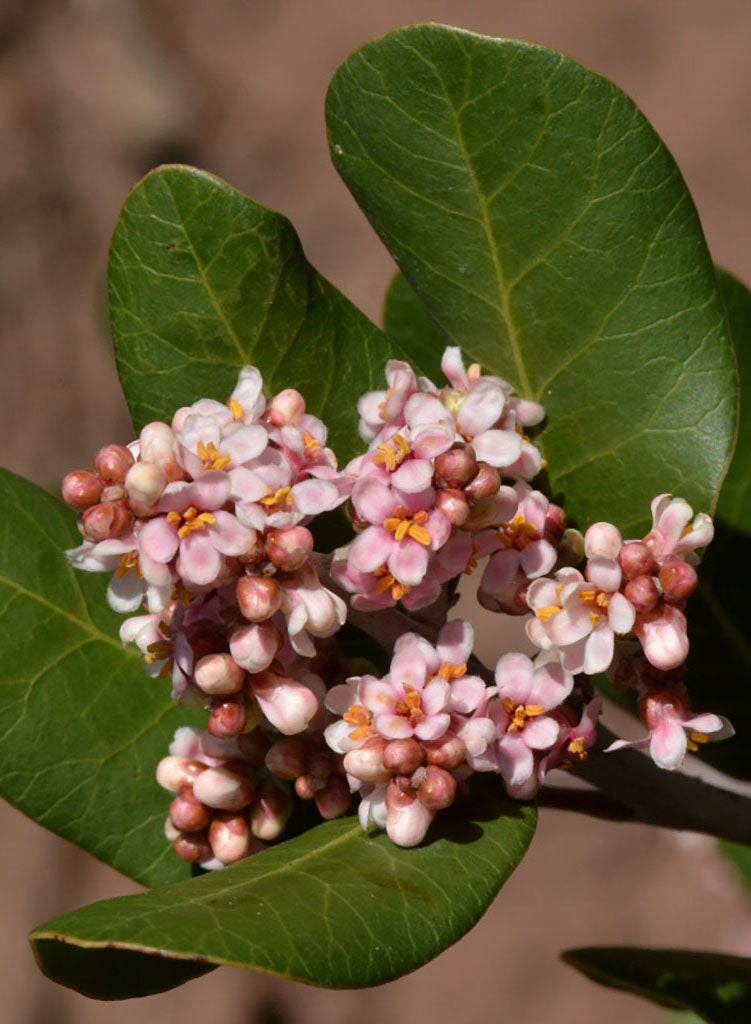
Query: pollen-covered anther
{"x": 694, "y": 739}
{"x": 411, "y": 706}
{"x": 191, "y": 520}
{"x": 402, "y": 526}
{"x": 210, "y": 457}
{"x": 518, "y": 533}
{"x": 388, "y": 582}
{"x": 392, "y": 455}
{"x": 236, "y": 409}
{"x": 448, "y": 671}
{"x": 577, "y": 748}
{"x": 313, "y": 448}
{"x": 283, "y": 494}
{"x": 599, "y": 602}
{"x": 472, "y": 560}
{"x": 520, "y": 713}
{"x": 360, "y": 717}
{"x": 129, "y": 561}
{"x": 547, "y": 612}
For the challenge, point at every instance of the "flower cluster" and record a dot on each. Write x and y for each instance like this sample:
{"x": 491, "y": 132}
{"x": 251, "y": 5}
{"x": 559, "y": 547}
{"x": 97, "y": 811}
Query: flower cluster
{"x": 429, "y": 500}
{"x": 412, "y": 737}
{"x": 203, "y": 524}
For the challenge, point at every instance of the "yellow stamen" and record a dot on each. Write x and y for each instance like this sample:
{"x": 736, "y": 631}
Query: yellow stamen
{"x": 191, "y": 520}
{"x": 392, "y": 455}
{"x": 237, "y": 409}
{"x": 547, "y": 612}
{"x": 283, "y": 494}
{"x": 398, "y": 590}
{"x": 401, "y": 525}
{"x": 699, "y": 737}
{"x": 449, "y": 671}
{"x": 520, "y": 713}
{"x": 578, "y": 748}
{"x": 472, "y": 560}
{"x": 129, "y": 561}
{"x": 362, "y": 718}
{"x": 473, "y": 372}
{"x": 209, "y": 455}
{"x": 518, "y": 533}
{"x": 411, "y": 706}
{"x": 312, "y": 447}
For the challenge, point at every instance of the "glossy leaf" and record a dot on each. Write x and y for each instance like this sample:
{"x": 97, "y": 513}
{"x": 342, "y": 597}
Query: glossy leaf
{"x": 82, "y": 726}
{"x": 719, "y": 667}
{"x": 333, "y": 907}
{"x": 203, "y": 281}
{"x": 549, "y": 233}
{"x": 716, "y": 987}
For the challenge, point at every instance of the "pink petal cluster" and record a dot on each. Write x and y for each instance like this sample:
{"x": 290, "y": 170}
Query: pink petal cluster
{"x": 429, "y": 500}
{"x": 203, "y": 523}
{"x": 408, "y": 738}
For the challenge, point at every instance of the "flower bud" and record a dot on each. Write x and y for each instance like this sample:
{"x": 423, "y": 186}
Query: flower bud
{"x": 219, "y": 674}
{"x": 113, "y": 462}
{"x": 320, "y": 765}
{"x": 82, "y": 489}
{"x": 286, "y": 759}
{"x": 602, "y": 539}
{"x": 407, "y": 818}
{"x": 223, "y": 789}
{"x": 663, "y": 636}
{"x": 113, "y": 492}
{"x": 192, "y": 847}
{"x": 658, "y": 704}
{"x": 230, "y": 837}
{"x": 270, "y": 811}
{"x": 253, "y": 746}
{"x": 485, "y": 484}
{"x": 255, "y": 645}
{"x": 454, "y": 506}
{"x": 636, "y": 560}
{"x": 289, "y": 548}
{"x": 643, "y": 593}
{"x": 228, "y": 717}
{"x": 307, "y": 787}
{"x": 177, "y": 773}
{"x": 366, "y": 762}
{"x": 456, "y": 467}
{"x": 106, "y": 521}
{"x": 438, "y": 789}
{"x": 159, "y": 445}
{"x": 285, "y": 408}
{"x": 447, "y": 752}
{"x": 254, "y": 553}
{"x": 555, "y": 525}
{"x": 144, "y": 486}
{"x": 188, "y": 814}
{"x": 287, "y": 703}
{"x": 402, "y": 757}
{"x": 334, "y": 799}
{"x": 678, "y": 579}
{"x": 259, "y": 597}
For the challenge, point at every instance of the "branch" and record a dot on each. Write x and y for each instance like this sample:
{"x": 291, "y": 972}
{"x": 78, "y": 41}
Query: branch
{"x": 641, "y": 790}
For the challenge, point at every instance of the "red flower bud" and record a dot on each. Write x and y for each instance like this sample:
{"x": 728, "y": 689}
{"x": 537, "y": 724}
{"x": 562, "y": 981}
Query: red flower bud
{"x": 643, "y": 593}
{"x": 403, "y": 756}
{"x": 113, "y": 462}
{"x": 228, "y": 717}
{"x": 636, "y": 560}
{"x": 678, "y": 579}
{"x": 289, "y": 548}
{"x": 192, "y": 847}
{"x": 270, "y": 811}
{"x": 334, "y": 799}
{"x": 106, "y": 521}
{"x": 259, "y": 597}
{"x": 286, "y": 758}
{"x": 82, "y": 489}
{"x": 438, "y": 788}
{"x": 285, "y": 408}
{"x": 366, "y": 762}
{"x": 447, "y": 752}
{"x": 188, "y": 814}
{"x": 456, "y": 467}
{"x": 230, "y": 837}
{"x": 177, "y": 773}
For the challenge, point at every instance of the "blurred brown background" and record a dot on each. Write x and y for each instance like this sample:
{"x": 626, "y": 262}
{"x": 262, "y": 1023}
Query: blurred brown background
{"x": 95, "y": 93}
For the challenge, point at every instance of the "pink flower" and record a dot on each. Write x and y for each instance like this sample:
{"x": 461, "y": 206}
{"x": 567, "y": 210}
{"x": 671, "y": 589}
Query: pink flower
{"x": 673, "y": 729}
{"x": 673, "y": 533}
{"x": 526, "y": 695}
{"x": 196, "y": 530}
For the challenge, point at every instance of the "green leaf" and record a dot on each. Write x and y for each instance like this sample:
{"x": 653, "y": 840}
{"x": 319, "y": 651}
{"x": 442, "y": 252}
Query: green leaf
{"x": 740, "y": 857}
{"x": 334, "y": 906}
{"x": 408, "y": 324}
{"x": 203, "y": 281}
{"x": 82, "y": 726}
{"x": 549, "y": 233}
{"x": 719, "y": 666}
{"x": 716, "y": 987}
